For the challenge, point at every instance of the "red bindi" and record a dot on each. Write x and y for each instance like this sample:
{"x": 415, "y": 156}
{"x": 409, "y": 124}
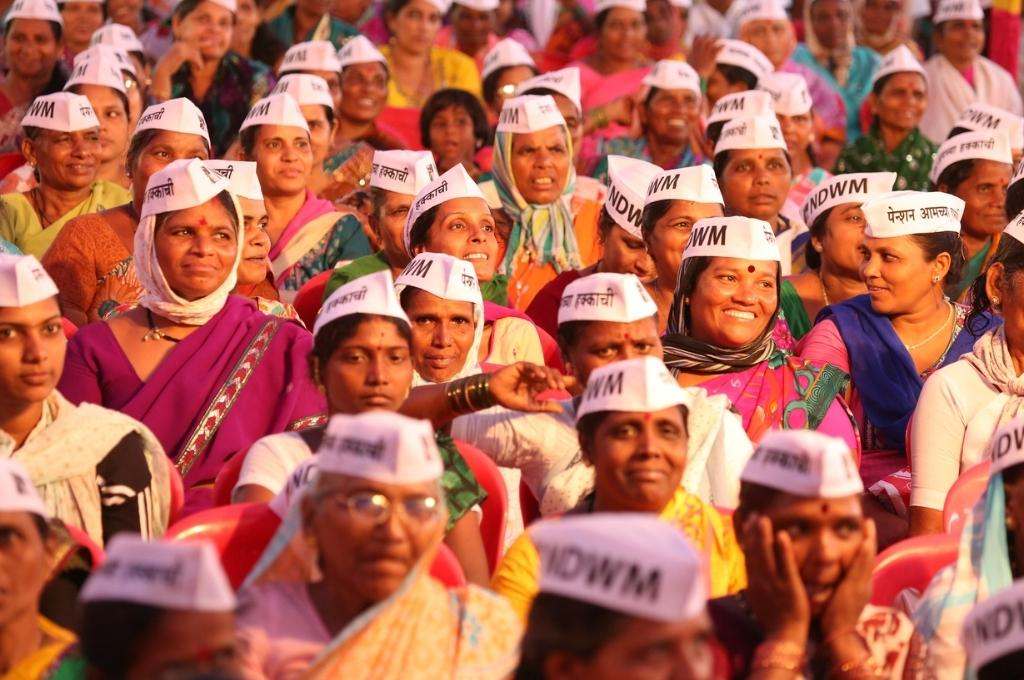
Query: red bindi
{"x": 824, "y": 508}
{"x": 202, "y": 221}
{"x": 750, "y": 268}
{"x": 647, "y": 417}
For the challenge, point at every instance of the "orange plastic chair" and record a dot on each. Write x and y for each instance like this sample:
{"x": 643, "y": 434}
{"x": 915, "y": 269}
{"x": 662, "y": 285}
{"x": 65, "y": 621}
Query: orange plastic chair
{"x": 310, "y": 297}
{"x": 495, "y": 507}
{"x": 529, "y": 506}
{"x": 226, "y": 479}
{"x": 910, "y": 564}
{"x": 962, "y": 496}
{"x": 177, "y": 494}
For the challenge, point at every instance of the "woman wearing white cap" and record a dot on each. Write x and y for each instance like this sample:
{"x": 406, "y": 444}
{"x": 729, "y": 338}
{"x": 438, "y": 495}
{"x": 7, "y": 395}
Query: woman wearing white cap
{"x": 62, "y": 142}
{"x": 470, "y": 29}
{"x": 894, "y": 143}
{"x": 313, "y": 95}
{"x": 564, "y": 87}
{"x": 418, "y": 67}
{"x": 201, "y": 67}
{"x": 364, "y": 93}
{"x": 505, "y": 66}
{"x": 91, "y": 259}
{"x": 315, "y": 58}
{"x": 357, "y": 599}
{"x": 310, "y": 20}
{"x": 81, "y": 19}
{"x": 958, "y": 74}
{"x": 171, "y": 361}
{"x": 579, "y": 628}
{"x": 994, "y": 636}
{"x": 737, "y": 68}
{"x": 32, "y": 42}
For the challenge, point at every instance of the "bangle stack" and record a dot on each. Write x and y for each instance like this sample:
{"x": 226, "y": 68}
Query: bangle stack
{"x": 470, "y": 394}
{"x": 779, "y": 656}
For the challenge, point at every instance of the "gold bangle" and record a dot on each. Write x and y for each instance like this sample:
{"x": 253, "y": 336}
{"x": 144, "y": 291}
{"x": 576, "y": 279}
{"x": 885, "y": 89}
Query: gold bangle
{"x": 786, "y": 656}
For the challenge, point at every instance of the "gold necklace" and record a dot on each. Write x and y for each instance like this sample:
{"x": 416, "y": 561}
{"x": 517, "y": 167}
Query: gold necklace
{"x": 824, "y": 291}
{"x": 938, "y": 330}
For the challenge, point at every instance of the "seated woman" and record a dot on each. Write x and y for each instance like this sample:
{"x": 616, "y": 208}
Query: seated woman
{"x": 669, "y": 122}
{"x": 32, "y": 645}
{"x": 364, "y": 92}
{"x": 720, "y": 334}
{"x": 958, "y": 75}
{"x": 975, "y": 167}
{"x": 95, "y": 469}
{"x": 984, "y": 564}
{"x": 81, "y": 19}
{"x": 200, "y": 67}
{"x": 308, "y": 234}
{"x": 91, "y": 259}
{"x": 894, "y": 143}
{"x": 172, "y": 361}
{"x": 313, "y": 96}
{"x": 453, "y": 127}
{"x": 890, "y": 340}
{"x": 579, "y": 628}
{"x": 749, "y": 103}
{"x": 564, "y": 87}
{"x": 738, "y": 67}
{"x": 632, "y": 425}
{"x": 470, "y": 29}
{"x": 61, "y": 140}
{"x": 963, "y": 402}
{"x": 833, "y": 257}
{"x": 622, "y": 245}
{"x": 306, "y": 20}
{"x": 166, "y": 622}
{"x": 366, "y": 598}
{"x": 809, "y": 553}
{"x": 675, "y": 201}
{"x": 505, "y": 66}
{"x": 985, "y": 118}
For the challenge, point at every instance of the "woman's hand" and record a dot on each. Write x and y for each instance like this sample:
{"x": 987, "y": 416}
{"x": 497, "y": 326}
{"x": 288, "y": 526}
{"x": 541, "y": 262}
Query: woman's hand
{"x": 703, "y": 53}
{"x": 775, "y": 590}
{"x": 518, "y": 387}
{"x": 180, "y": 53}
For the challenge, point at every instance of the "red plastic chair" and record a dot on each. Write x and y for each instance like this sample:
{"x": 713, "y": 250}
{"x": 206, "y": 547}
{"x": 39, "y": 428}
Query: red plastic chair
{"x": 177, "y": 494}
{"x": 910, "y": 564}
{"x": 446, "y": 568}
{"x": 529, "y": 506}
{"x": 495, "y": 507}
{"x": 96, "y": 554}
{"x": 226, "y": 479}
{"x": 962, "y": 496}
{"x": 69, "y": 328}
{"x": 310, "y": 297}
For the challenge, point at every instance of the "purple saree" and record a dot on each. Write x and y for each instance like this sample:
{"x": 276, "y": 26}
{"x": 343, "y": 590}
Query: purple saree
{"x": 239, "y": 377}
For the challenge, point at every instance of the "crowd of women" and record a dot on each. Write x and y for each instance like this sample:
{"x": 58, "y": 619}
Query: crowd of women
{"x": 510, "y": 338}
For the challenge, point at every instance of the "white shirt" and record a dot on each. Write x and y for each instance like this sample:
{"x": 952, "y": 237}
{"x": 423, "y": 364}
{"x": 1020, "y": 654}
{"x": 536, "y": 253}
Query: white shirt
{"x": 272, "y": 459}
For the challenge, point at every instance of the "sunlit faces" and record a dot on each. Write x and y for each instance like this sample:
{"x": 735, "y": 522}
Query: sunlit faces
{"x": 798, "y": 131}
{"x": 442, "y": 333}
{"x": 32, "y": 348}
{"x": 415, "y": 26}
{"x": 389, "y": 225}
{"x": 774, "y": 37}
{"x": 622, "y": 35}
{"x": 109, "y": 108}
{"x": 902, "y": 101}
{"x": 959, "y": 40}
{"x": 540, "y": 164}
{"x": 671, "y": 115}
{"x": 25, "y": 563}
{"x": 638, "y": 459}
{"x": 831, "y": 22}
{"x": 603, "y": 342}
{"x": 364, "y": 90}
{"x": 464, "y": 228}
{"x": 321, "y": 131}
{"x": 452, "y": 139}
{"x": 626, "y": 254}
{"x": 506, "y": 83}
{"x": 31, "y": 48}
{"x": 897, "y": 274}
{"x": 254, "y": 265}
{"x": 755, "y": 182}
{"x": 372, "y": 369}
{"x": 472, "y": 28}
{"x": 839, "y": 244}
{"x": 671, "y": 232}
{"x": 64, "y": 160}
{"x": 201, "y": 642}
{"x": 208, "y": 28}
{"x": 164, "y": 147}
{"x": 81, "y": 20}
{"x": 733, "y": 301}
{"x": 984, "y": 192}
{"x": 284, "y": 159}
{"x": 196, "y": 248}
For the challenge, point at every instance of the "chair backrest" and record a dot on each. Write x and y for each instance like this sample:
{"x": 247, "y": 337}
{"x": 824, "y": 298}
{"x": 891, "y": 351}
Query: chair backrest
{"x": 177, "y": 493}
{"x": 910, "y": 564}
{"x": 446, "y": 568}
{"x": 495, "y": 507}
{"x": 962, "y": 496}
{"x": 529, "y": 506}
{"x": 310, "y": 297}
{"x": 226, "y": 479}
{"x": 96, "y": 553}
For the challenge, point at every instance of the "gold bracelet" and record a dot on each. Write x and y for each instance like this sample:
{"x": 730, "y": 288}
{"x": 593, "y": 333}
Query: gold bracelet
{"x": 786, "y": 656}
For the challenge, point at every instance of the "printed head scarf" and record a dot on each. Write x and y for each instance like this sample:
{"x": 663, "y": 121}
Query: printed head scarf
{"x": 836, "y": 60}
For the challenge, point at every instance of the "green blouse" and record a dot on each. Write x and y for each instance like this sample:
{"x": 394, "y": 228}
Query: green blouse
{"x": 911, "y": 160}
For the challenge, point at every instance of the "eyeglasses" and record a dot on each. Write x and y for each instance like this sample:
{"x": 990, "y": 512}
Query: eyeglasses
{"x": 507, "y": 89}
{"x": 376, "y": 508}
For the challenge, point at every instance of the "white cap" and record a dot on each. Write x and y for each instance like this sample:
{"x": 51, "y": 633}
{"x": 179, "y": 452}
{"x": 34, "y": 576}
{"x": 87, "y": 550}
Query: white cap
{"x": 762, "y": 132}
{"x": 744, "y": 55}
{"x": 359, "y": 50}
{"x": 229, "y": 5}
{"x": 401, "y": 171}
{"x": 506, "y": 52}
{"x": 275, "y": 109}
{"x": 1006, "y": 448}
{"x": 635, "y": 5}
{"x": 902, "y": 213}
{"x": 174, "y": 115}
{"x": 447, "y": 277}
{"x": 749, "y": 103}
{"x": 181, "y": 575}
{"x": 1018, "y": 174}
{"x": 117, "y": 35}
{"x": 761, "y": 10}
{"x": 628, "y": 179}
{"x": 681, "y": 4}
{"x": 1016, "y": 227}
{"x": 529, "y": 113}
{"x": 641, "y": 385}
{"x": 565, "y": 82}
{"x": 314, "y": 55}
{"x": 850, "y": 188}
{"x": 968, "y": 146}
{"x": 456, "y": 183}
{"x": 241, "y": 175}
{"x": 619, "y": 298}
{"x": 17, "y": 492}
{"x": 478, "y": 5}
{"x": 648, "y": 567}
{"x": 180, "y": 185}
{"x": 441, "y": 5}
{"x": 116, "y": 55}
{"x": 370, "y": 294}
{"x": 744, "y": 238}
{"x": 696, "y": 183}
{"x": 23, "y": 281}
{"x": 948, "y": 10}
{"x": 96, "y": 69}
{"x": 804, "y": 463}
{"x": 899, "y": 60}
{"x": 61, "y": 111}
{"x": 306, "y": 89}
{"x": 789, "y": 92}
{"x": 673, "y": 74}
{"x": 986, "y": 118}
{"x": 994, "y": 627}
{"x": 380, "y": 446}
{"x": 34, "y": 9}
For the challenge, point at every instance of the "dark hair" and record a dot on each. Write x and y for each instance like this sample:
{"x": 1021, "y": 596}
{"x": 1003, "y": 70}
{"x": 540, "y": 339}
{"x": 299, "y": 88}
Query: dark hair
{"x": 714, "y": 131}
{"x": 395, "y": 6}
{"x": 735, "y": 75}
{"x": 42, "y": 526}
{"x": 880, "y": 84}
{"x": 817, "y": 229}
{"x": 58, "y": 30}
{"x": 954, "y": 175}
{"x": 562, "y": 624}
{"x": 653, "y": 212}
{"x": 266, "y": 47}
{"x": 605, "y": 222}
{"x": 103, "y": 7}
{"x": 686, "y": 283}
{"x": 490, "y": 84}
{"x": 112, "y": 633}
{"x": 454, "y": 97}
{"x": 341, "y": 329}
{"x": 140, "y": 140}
{"x": 1014, "y": 199}
{"x": 120, "y": 95}
{"x": 1006, "y": 666}
{"x": 1010, "y": 254}
{"x": 419, "y": 229}
{"x": 186, "y": 7}
{"x": 937, "y": 243}
{"x": 600, "y": 18}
